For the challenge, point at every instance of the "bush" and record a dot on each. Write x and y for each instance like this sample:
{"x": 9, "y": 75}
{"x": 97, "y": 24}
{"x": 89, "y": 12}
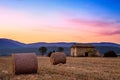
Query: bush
{"x": 49, "y": 54}
{"x": 110, "y": 54}
{"x": 93, "y": 55}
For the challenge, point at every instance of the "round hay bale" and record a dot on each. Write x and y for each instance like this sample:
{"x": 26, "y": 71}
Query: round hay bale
{"x": 58, "y": 57}
{"x": 25, "y": 63}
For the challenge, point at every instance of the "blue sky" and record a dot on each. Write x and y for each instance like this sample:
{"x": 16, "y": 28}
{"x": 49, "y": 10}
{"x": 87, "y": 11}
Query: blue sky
{"x": 108, "y": 8}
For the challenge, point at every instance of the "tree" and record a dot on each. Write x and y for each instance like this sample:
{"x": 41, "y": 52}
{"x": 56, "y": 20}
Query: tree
{"x": 89, "y": 50}
{"x": 60, "y": 49}
{"x": 43, "y": 50}
{"x": 110, "y": 54}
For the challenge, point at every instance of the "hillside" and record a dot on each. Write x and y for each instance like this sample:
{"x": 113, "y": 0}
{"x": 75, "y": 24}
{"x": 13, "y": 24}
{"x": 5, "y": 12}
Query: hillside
{"x": 8, "y": 43}
{"x": 8, "y": 46}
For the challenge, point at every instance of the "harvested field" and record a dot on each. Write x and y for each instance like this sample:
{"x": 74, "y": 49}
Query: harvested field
{"x": 80, "y": 68}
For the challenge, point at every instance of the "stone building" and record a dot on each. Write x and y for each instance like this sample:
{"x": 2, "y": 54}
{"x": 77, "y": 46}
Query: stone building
{"x": 83, "y": 49}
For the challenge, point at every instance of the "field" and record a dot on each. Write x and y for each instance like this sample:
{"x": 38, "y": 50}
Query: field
{"x": 77, "y": 68}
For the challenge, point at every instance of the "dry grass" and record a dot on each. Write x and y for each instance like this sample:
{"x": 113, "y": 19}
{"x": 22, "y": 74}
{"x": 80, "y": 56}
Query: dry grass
{"x": 76, "y": 69}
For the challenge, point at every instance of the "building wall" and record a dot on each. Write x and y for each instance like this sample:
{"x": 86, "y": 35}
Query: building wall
{"x": 81, "y": 52}
{"x": 73, "y": 52}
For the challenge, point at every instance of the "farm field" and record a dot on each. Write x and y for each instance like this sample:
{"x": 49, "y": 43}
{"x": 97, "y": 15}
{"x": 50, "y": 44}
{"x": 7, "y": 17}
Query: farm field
{"x": 76, "y": 68}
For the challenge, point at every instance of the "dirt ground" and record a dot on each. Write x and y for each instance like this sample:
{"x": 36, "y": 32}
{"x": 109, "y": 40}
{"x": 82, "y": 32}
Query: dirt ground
{"x": 76, "y": 68}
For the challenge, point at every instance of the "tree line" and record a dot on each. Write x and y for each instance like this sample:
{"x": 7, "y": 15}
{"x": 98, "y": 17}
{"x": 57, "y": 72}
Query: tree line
{"x": 43, "y": 50}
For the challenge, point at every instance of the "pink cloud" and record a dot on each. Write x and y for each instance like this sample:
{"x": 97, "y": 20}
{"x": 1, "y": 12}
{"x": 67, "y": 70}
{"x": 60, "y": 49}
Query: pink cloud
{"x": 109, "y": 33}
{"x": 102, "y": 27}
{"x": 93, "y": 23}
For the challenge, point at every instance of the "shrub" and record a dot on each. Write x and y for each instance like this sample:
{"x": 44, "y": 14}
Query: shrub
{"x": 94, "y": 55}
{"x": 110, "y": 54}
{"x": 49, "y": 54}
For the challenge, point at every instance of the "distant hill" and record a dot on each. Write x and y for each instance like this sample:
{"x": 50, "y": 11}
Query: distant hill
{"x": 58, "y": 44}
{"x": 8, "y": 43}
{"x": 106, "y": 44}
{"x": 8, "y": 46}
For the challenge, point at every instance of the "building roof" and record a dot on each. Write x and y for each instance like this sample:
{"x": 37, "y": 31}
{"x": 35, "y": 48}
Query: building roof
{"x": 82, "y": 45}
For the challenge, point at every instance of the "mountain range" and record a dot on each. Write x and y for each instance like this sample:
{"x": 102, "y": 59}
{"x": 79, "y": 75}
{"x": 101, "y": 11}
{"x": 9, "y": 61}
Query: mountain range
{"x": 8, "y": 46}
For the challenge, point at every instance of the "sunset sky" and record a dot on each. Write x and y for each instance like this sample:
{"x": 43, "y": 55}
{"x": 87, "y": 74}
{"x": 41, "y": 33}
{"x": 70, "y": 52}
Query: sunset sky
{"x": 31, "y": 21}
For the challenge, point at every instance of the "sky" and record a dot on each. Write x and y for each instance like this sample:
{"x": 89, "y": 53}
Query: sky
{"x": 82, "y": 21}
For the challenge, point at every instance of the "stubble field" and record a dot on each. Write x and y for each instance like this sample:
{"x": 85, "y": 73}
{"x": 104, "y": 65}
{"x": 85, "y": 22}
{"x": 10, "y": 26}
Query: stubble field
{"x": 76, "y": 68}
